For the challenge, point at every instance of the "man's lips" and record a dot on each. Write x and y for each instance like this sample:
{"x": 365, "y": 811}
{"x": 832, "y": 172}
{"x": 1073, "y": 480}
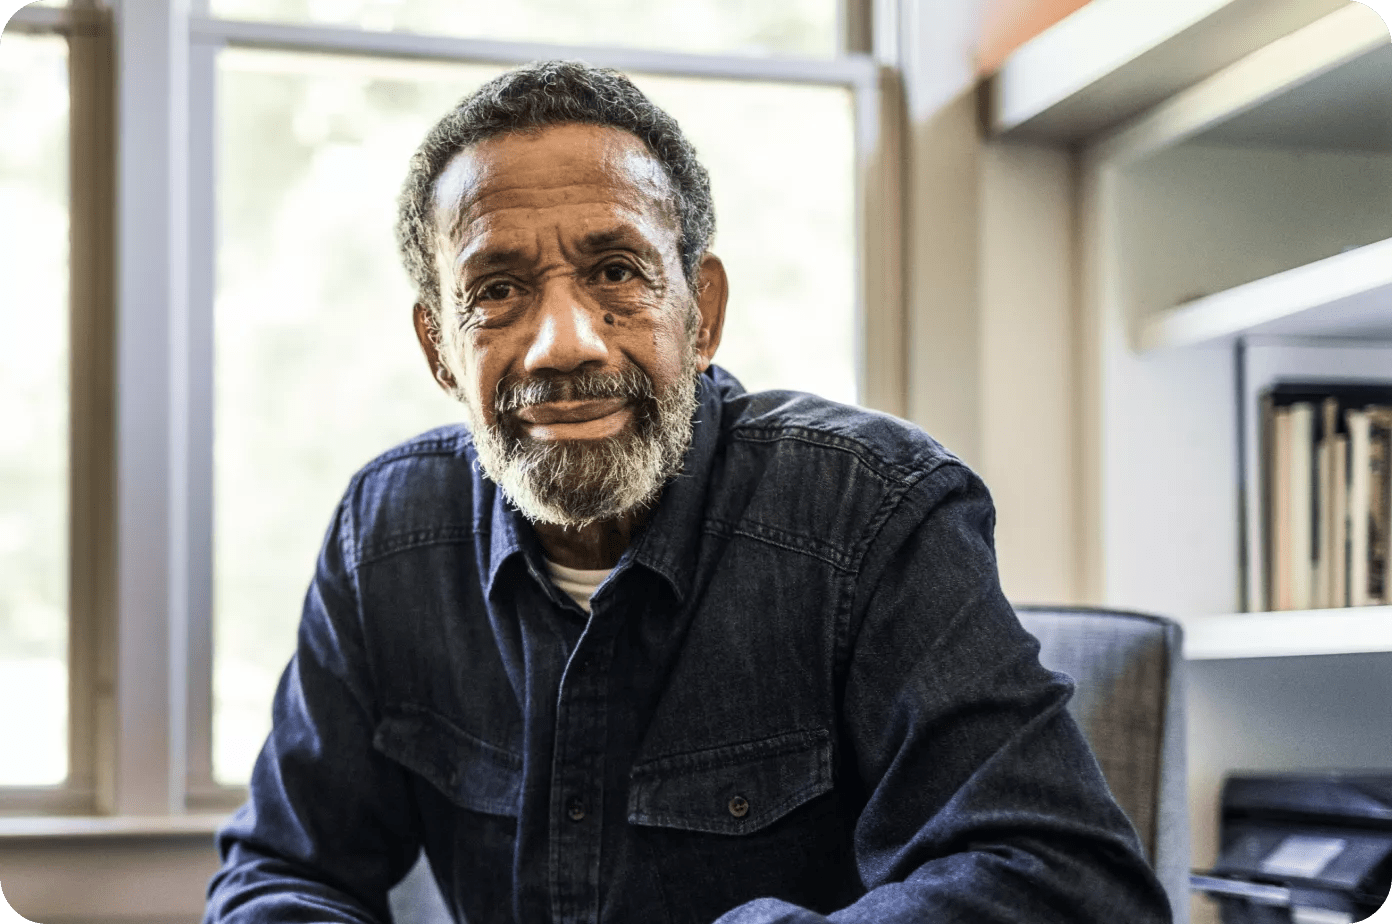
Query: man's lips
{"x": 571, "y": 412}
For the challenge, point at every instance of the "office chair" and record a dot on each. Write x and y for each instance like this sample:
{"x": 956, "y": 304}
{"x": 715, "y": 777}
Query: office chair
{"x": 1129, "y": 670}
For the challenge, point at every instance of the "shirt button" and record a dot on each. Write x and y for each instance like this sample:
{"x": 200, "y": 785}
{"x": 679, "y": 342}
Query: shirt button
{"x": 739, "y": 806}
{"x": 575, "y": 808}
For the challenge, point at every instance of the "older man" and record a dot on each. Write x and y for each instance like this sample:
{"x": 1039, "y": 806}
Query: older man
{"x": 635, "y": 645}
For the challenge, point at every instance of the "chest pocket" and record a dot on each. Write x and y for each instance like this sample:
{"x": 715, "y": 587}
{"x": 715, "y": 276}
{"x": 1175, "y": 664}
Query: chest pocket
{"x": 737, "y": 789}
{"x": 470, "y": 772}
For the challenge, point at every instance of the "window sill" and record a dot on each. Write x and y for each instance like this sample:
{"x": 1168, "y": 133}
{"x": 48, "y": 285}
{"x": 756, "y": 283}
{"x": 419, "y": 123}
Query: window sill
{"x": 89, "y": 827}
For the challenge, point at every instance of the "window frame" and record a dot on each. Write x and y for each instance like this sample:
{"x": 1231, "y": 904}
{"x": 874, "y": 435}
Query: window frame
{"x": 91, "y": 418}
{"x": 143, "y": 277}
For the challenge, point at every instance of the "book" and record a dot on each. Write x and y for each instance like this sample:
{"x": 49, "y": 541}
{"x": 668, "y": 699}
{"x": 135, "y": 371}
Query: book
{"x": 1301, "y": 498}
{"x": 1338, "y": 522}
{"x": 1325, "y": 466}
{"x": 1359, "y": 426}
{"x": 1380, "y": 506}
{"x": 1282, "y": 592}
{"x": 1324, "y": 513}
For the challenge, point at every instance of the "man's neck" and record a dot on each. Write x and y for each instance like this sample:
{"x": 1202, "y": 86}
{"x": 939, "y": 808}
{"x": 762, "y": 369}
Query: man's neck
{"x": 594, "y": 547}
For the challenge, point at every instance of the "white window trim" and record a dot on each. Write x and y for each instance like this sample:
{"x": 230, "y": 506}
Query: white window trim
{"x": 142, "y": 647}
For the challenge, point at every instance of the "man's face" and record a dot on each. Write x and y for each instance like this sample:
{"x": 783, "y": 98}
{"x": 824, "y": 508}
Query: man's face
{"x": 567, "y": 327}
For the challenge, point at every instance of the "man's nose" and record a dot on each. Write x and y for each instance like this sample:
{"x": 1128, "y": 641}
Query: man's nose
{"x": 565, "y": 336}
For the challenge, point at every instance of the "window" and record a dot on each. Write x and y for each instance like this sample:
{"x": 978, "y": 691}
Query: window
{"x": 317, "y": 368}
{"x": 263, "y": 348}
{"x": 34, "y": 407}
{"x": 792, "y": 27}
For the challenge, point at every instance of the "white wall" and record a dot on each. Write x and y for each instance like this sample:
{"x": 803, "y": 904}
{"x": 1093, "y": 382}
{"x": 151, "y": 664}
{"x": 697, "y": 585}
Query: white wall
{"x": 1027, "y": 403}
{"x": 991, "y": 316}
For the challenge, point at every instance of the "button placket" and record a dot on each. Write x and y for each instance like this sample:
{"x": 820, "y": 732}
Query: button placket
{"x": 577, "y": 780}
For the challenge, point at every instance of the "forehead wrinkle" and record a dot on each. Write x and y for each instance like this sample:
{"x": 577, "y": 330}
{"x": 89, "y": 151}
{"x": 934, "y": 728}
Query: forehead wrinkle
{"x": 483, "y": 243}
{"x": 465, "y": 220}
{"x": 470, "y": 181}
{"x": 481, "y": 261}
{"x": 621, "y": 173}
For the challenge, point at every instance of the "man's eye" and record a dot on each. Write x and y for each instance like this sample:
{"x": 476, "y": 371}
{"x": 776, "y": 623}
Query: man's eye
{"x": 616, "y": 272}
{"x": 497, "y": 291}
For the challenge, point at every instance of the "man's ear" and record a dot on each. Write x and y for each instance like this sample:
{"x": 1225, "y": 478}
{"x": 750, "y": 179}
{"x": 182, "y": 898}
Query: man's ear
{"x": 428, "y": 336}
{"x": 712, "y": 291}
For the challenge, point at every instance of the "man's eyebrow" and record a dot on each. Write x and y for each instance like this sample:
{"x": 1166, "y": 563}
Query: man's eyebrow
{"x": 491, "y": 258}
{"x": 614, "y": 237}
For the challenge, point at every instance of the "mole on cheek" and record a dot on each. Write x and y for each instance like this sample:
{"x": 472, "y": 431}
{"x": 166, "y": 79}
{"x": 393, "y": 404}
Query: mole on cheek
{"x": 608, "y": 318}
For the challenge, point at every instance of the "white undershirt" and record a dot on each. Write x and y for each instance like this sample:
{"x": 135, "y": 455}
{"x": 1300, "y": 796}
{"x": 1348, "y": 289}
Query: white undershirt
{"x": 579, "y": 584}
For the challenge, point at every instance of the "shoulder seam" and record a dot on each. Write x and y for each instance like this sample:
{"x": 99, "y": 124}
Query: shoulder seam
{"x": 418, "y": 447}
{"x": 885, "y": 469}
{"x": 889, "y": 507}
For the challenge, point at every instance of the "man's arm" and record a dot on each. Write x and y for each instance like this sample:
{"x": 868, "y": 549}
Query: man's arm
{"x": 985, "y": 805}
{"x": 329, "y": 825}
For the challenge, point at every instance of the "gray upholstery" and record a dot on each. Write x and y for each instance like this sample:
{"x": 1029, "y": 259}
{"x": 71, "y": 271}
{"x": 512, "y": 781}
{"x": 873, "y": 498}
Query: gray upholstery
{"x": 416, "y": 899}
{"x": 1130, "y": 704}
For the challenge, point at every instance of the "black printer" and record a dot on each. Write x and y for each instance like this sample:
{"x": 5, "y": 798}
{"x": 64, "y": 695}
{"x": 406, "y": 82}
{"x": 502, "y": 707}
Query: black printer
{"x": 1307, "y": 848}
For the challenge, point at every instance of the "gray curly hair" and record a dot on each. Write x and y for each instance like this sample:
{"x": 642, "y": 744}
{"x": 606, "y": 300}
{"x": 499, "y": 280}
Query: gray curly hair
{"x": 531, "y": 98}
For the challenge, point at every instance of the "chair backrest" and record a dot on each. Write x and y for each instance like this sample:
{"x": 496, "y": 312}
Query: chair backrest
{"x": 1129, "y": 670}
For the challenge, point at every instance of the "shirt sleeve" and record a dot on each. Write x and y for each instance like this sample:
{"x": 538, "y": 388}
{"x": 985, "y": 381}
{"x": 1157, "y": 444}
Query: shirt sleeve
{"x": 329, "y": 825}
{"x": 984, "y": 804}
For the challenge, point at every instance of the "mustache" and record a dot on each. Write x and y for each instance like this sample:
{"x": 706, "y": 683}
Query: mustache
{"x": 515, "y": 393}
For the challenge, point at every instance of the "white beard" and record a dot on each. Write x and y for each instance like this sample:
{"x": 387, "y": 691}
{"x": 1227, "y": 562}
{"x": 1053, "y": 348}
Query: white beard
{"x": 576, "y": 483}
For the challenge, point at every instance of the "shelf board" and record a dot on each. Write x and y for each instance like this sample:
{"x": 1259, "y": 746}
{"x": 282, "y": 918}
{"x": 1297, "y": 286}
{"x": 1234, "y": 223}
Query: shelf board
{"x": 1341, "y": 108}
{"x": 1303, "y": 76}
{"x": 1346, "y": 296}
{"x": 1114, "y": 59}
{"x": 1360, "y": 630}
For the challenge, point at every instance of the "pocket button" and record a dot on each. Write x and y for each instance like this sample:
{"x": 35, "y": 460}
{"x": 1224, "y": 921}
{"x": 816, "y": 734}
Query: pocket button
{"x": 739, "y": 806}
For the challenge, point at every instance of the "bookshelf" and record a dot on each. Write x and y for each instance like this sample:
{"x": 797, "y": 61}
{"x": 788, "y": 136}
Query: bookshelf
{"x": 1347, "y": 297}
{"x": 1361, "y": 630}
{"x": 1234, "y": 210}
{"x": 1112, "y": 60}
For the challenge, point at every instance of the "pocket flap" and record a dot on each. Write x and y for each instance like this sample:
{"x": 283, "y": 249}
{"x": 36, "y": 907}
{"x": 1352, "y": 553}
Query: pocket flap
{"x": 469, "y": 771}
{"x": 737, "y": 789}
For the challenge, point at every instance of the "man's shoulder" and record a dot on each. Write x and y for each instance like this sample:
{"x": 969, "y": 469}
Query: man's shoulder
{"x": 444, "y": 442}
{"x": 796, "y": 427}
{"x": 444, "y": 451}
{"x": 809, "y": 473}
{"x": 424, "y": 485}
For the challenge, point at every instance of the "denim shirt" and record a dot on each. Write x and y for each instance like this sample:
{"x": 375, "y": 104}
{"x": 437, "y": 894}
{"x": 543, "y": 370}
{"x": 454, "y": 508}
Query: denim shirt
{"x": 800, "y": 696}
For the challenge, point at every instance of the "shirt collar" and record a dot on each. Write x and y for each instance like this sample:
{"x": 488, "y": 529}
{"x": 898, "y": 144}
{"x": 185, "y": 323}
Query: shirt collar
{"x": 668, "y": 543}
{"x": 508, "y": 532}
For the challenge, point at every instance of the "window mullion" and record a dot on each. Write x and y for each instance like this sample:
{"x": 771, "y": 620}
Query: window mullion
{"x": 855, "y": 28}
{"x": 198, "y": 772}
{"x": 91, "y": 574}
{"x": 151, "y": 399}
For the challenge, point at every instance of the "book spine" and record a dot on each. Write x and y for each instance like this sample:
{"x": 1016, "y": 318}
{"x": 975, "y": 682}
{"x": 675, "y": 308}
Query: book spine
{"x": 1359, "y": 503}
{"x": 1282, "y": 584}
{"x": 1266, "y": 459}
{"x": 1302, "y": 503}
{"x": 1380, "y": 506}
{"x": 1323, "y": 520}
{"x": 1338, "y": 565}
